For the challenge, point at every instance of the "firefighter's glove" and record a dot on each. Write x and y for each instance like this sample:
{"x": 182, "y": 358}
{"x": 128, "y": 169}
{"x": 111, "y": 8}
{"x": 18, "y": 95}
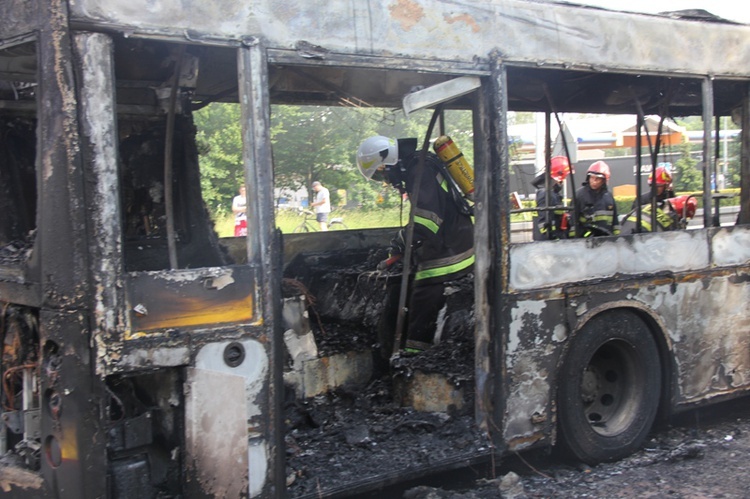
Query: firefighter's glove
{"x": 388, "y": 262}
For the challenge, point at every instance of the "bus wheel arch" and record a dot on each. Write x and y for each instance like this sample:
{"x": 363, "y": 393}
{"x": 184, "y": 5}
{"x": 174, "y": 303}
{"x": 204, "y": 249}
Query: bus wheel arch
{"x": 611, "y": 387}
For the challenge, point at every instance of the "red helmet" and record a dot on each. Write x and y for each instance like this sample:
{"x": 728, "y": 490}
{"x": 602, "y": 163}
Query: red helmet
{"x": 685, "y": 205}
{"x": 599, "y": 169}
{"x": 663, "y": 177}
{"x": 559, "y": 168}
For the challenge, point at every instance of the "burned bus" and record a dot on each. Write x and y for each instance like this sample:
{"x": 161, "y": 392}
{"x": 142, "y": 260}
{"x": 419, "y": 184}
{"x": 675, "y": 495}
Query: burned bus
{"x": 143, "y": 356}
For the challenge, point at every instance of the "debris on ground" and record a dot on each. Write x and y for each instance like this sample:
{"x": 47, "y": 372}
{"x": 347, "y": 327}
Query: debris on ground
{"x": 695, "y": 457}
{"x": 360, "y": 435}
{"x": 363, "y": 433}
{"x": 17, "y": 251}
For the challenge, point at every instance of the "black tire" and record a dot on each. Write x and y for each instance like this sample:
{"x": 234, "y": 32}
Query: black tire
{"x": 301, "y": 228}
{"x": 609, "y": 389}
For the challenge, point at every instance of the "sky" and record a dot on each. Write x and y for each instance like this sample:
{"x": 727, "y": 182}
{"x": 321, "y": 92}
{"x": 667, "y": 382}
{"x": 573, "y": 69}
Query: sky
{"x": 734, "y": 10}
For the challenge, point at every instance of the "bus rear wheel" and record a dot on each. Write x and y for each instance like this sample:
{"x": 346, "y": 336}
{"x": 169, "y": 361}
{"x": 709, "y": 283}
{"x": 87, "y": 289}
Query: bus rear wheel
{"x": 610, "y": 388}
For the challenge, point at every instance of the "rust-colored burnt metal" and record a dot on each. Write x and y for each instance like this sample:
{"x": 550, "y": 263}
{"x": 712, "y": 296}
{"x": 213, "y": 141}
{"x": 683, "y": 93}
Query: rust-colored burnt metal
{"x": 189, "y": 298}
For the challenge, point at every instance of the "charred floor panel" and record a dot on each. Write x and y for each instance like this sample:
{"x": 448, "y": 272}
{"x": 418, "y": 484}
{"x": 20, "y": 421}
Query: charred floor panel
{"x": 364, "y": 419}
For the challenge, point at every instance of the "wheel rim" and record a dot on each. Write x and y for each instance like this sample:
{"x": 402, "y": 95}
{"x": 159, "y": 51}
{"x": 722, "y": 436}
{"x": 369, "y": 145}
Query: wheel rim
{"x": 611, "y": 388}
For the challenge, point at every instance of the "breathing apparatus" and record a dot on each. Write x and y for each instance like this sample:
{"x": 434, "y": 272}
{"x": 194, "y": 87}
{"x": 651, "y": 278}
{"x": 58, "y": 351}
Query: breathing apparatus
{"x": 458, "y": 172}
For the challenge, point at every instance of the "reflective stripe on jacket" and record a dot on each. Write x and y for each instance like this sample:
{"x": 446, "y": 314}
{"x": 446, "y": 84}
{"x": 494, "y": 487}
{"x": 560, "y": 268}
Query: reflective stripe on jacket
{"x": 597, "y": 213}
{"x": 443, "y": 236}
{"x": 664, "y": 221}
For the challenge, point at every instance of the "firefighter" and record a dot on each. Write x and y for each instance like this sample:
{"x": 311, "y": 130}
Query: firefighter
{"x": 595, "y": 205}
{"x": 664, "y": 220}
{"x": 663, "y": 187}
{"x": 682, "y": 208}
{"x": 671, "y": 214}
{"x": 443, "y": 238}
{"x": 551, "y": 225}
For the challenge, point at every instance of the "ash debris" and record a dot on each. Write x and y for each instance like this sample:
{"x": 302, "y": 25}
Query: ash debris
{"x": 453, "y": 355}
{"x": 334, "y": 338}
{"x": 366, "y": 434}
{"x": 351, "y": 305}
{"x": 343, "y": 285}
{"x": 18, "y": 251}
{"x": 354, "y": 436}
{"x": 675, "y": 462}
{"x": 701, "y": 455}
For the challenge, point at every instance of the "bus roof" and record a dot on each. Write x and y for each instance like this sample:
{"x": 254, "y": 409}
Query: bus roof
{"x": 520, "y": 31}
{"x": 339, "y": 52}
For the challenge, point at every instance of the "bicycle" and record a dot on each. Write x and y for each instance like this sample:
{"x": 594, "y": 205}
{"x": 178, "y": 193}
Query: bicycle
{"x": 310, "y": 224}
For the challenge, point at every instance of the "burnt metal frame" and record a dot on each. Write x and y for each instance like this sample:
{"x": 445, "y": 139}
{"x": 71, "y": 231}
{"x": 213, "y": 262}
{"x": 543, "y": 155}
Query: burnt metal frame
{"x": 258, "y": 162}
{"x": 73, "y": 331}
{"x": 72, "y": 435}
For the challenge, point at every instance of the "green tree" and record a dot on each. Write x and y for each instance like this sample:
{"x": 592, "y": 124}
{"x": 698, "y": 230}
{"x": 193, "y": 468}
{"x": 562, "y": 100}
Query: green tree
{"x": 686, "y": 176}
{"x": 733, "y": 162}
{"x": 313, "y": 143}
{"x": 219, "y": 139}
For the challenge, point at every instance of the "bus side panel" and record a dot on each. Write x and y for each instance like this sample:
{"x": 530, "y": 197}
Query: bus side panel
{"x": 557, "y": 263}
{"x": 537, "y": 331}
{"x": 707, "y": 325}
{"x": 707, "y": 320}
{"x": 227, "y": 452}
{"x": 696, "y": 309}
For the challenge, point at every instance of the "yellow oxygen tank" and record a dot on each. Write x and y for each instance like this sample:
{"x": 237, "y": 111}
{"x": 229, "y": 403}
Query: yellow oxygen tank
{"x": 458, "y": 168}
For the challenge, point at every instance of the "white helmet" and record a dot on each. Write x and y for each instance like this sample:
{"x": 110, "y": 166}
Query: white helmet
{"x": 375, "y": 152}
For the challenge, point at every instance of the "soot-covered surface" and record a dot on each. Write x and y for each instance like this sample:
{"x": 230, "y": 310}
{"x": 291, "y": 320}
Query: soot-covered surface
{"x": 700, "y": 454}
{"x": 18, "y": 251}
{"x": 360, "y": 434}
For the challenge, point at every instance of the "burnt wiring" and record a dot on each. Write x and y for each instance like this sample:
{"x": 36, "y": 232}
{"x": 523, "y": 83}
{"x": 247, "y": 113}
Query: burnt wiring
{"x": 119, "y": 403}
{"x": 309, "y": 297}
{"x": 531, "y": 467}
{"x": 8, "y": 382}
{"x": 2, "y": 346}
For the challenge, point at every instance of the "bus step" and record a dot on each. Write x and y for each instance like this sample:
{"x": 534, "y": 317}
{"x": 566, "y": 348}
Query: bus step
{"x": 321, "y": 375}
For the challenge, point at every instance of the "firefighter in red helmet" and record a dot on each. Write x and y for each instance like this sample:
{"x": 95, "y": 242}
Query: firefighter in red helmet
{"x": 595, "y": 205}
{"x": 551, "y": 224}
{"x": 663, "y": 187}
{"x": 665, "y": 217}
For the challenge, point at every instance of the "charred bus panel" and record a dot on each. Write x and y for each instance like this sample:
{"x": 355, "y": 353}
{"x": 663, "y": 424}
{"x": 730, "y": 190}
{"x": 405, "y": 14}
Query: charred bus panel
{"x": 108, "y": 374}
{"x": 680, "y": 287}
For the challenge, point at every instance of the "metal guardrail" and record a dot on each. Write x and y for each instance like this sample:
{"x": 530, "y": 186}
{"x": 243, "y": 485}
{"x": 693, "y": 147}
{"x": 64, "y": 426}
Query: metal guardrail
{"x": 521, "y": 232}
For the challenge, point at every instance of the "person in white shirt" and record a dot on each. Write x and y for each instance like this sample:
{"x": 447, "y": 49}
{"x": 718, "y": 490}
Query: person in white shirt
{"x": 239, "y": 206}
{"x": 322, "y": 204}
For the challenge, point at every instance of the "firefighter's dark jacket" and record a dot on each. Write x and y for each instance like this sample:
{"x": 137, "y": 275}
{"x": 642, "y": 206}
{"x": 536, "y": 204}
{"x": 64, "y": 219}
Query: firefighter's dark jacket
{"x": 646, "y": 197}
{"x": 597, "y": 212}
{"x": 443, "y": 236}
{"x": 548, "y": 225}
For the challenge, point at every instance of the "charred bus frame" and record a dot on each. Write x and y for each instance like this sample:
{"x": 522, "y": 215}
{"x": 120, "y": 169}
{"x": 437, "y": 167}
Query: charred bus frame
{"x": 132, "y": 340}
